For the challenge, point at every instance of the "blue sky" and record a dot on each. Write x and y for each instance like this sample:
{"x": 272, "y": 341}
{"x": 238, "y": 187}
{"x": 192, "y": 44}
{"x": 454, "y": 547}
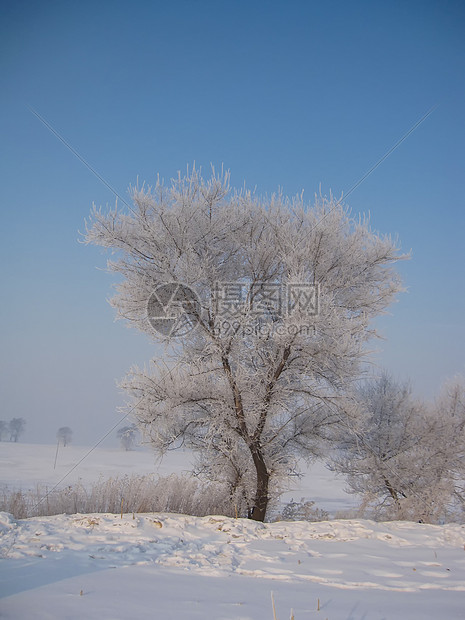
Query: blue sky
{"x": 296, "y": 94}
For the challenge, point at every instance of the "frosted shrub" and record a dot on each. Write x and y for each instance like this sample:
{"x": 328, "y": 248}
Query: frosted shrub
{"x": 407, "y": 463}
{"x": 14, "y": 502}
{"x": 302, "y": 511}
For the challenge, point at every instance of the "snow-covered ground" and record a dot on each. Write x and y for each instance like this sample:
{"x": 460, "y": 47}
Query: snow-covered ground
{"x": 166, "y": 566}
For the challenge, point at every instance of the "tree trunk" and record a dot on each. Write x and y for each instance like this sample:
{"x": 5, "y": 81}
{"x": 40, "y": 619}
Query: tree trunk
{"x": 393, "y": 494}
{"x": 261, "y": 495}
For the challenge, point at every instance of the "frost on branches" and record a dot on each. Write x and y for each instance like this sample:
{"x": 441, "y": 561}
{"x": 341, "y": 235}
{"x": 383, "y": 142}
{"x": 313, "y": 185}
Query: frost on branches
{"x": 449, "y": 411}
{"x": 409, "y": 461}
{"x": 254, "y": 384}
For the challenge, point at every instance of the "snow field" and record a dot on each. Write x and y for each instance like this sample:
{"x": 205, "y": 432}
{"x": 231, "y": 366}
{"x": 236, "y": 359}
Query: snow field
{"x": 327, "y": 560}
{"x": 168, "y": 566}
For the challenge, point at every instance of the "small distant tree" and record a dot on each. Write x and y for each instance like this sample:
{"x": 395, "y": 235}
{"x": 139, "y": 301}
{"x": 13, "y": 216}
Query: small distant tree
{"x": 16, "y": 428}
{"x": 127, "y": 436}
{"x": 3, "y": 429}
{"x": 65, "y": 435}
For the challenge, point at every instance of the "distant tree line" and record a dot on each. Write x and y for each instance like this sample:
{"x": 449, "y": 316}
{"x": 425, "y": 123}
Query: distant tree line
{"x": 12, "y": 430}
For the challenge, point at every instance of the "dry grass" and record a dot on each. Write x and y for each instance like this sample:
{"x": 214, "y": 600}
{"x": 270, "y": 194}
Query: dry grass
{"x": 129, "y": 494}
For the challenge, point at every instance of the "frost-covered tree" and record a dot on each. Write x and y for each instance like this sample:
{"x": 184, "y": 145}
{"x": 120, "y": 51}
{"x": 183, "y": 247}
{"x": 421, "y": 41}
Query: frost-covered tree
{"x": 3, "y": 429}
{"x": 16, "y": 428}
{"x": 65, "y": 435}
{"x": 127, "y": 436}
{"x": 449, "y": 411}
{"x": 255, "y": 383}
{"x": 396, "y": 462}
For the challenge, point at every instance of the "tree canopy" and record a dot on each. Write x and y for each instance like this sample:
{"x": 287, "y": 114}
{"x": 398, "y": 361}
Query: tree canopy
{"x": 276, "y": 298}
